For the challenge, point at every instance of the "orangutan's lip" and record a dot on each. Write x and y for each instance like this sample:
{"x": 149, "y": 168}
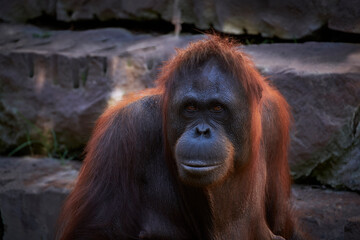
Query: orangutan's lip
{"x": 195, "y": 166}
{"x": 199, "y": 164}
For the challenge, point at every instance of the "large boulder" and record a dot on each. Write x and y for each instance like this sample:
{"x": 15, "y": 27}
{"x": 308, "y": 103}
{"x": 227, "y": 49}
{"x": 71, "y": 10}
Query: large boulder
{"x": 326, "y": 214}
{"x": 60, "y": 81}
{"x": 32, "y": 192}
{"x": 285, "y": 19}
{"x": 321, "y": 82}
{"x": 54, "y": 84}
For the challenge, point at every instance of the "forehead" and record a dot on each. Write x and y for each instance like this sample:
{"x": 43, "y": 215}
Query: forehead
{"x": 208, "y": 79}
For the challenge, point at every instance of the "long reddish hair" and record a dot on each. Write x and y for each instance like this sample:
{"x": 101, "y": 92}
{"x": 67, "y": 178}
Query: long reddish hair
{"x": 114, "y": 146}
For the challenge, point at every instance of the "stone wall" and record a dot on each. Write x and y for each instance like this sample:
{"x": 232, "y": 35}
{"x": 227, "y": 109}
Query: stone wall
{"x": 60, "y": 81}
{"x": 289, "y": 19}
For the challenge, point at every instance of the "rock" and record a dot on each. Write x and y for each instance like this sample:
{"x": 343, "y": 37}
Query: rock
{"x": 32, "y": 191}
{"x": 31, "y": 194}
{"x": 136, "y": 10}
{"x": 289, "y": 20}
{"x": 352, "y": 229}
{"x": 324, "y": 213}
{"x": 22, "y": 10}
{"x": 321, "y": 82}
{"x": 344, "y": 16}
{"x": 61, "y": 80}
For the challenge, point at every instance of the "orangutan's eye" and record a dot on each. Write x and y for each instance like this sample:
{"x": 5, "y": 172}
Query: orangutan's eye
{"x": 191, "y": 108}
{"x": 217, "y": 108}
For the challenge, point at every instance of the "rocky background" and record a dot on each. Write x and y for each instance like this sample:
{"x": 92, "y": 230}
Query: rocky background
{"x": 56, "y": 78}
{"x": 289, "y": 19}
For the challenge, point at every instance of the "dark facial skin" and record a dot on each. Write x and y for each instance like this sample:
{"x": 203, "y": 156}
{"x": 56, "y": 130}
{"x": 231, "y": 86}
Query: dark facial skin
{"x": 207, "y": 117}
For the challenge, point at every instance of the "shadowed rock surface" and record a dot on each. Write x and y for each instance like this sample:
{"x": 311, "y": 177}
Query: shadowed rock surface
{"x": 32, "y": 191}
{"x": 321, "y": 82}
{"x": 63, "y": 80}
{"x": 60, "y": 81}
{"x": 327, "y": 214}
{"x": 31, "y": 194}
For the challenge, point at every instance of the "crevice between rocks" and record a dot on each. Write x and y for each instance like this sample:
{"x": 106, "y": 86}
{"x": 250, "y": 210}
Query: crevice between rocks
{"x": 2, "y": 228}
{"x": 356, "y": 122}
{"x": 161, "y": 26}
